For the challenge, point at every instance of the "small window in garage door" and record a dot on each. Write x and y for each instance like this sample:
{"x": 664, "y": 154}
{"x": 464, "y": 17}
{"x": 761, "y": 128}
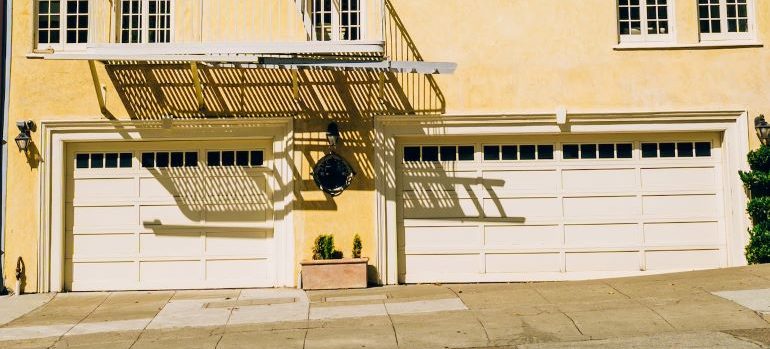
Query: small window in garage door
{"x": 676, "y": 150}
{"x": 103, "y": 160}
{"x": 241, "y": 158}
{"x": 509, "y": 152}
{"x": 169, "y": 159}
{"x": 436, "y": 153}
{"x": 598, "y": 151}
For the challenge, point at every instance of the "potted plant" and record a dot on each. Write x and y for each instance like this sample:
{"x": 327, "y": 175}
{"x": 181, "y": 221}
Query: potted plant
{"x": 329, "y": 270}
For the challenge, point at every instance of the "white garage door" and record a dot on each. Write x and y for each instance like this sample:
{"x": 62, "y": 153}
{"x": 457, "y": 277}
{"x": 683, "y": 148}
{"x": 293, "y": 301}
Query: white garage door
{"x": 559, "y": 207}
{"x": 161, "y": 215}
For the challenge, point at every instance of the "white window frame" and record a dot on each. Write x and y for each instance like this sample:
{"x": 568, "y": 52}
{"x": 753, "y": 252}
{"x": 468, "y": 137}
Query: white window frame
{"x": 62, "y": 44}
{"x": 337, "y": 20}
{"x": 725, "y": 35}
{"x": 644, "y": 36}
{"x": 144, "y": 27}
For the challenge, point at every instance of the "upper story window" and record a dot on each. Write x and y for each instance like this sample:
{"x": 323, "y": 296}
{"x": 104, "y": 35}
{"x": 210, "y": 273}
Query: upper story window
{"x": 644, "y": 20}
{"x": 336, "y": 20}
{"x": 725, "y": 19}
{"x": 145, "y": 21}
{"x": 62, "y": 23}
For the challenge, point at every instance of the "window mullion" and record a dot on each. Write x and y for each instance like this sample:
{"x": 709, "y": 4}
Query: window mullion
{"x": 335, "y": 11}
{"x": 145, "y": 23}
{"x": 62, "y": 22}
{"x": 91, "y": 22}
{"x": 723, "y": 17}
{"x": 643, "y": 19}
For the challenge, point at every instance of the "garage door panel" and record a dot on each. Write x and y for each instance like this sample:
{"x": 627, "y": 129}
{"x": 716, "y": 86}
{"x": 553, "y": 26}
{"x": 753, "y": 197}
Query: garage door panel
{"x": 121, "y": 272}
{"x": 239, "y": 189}
{"x": 698, "y": 178}
{"x": 430, "y": 194}
{"x": 612, "y": 180}
{"x": 523, "y": 263}
{"x": 680, "y": 206}
{"x": 442, "y": 264}
{"x": 170, "y": 244}
{"x": 164, "y": 188}
{"x": 444, "y": 237}
{"x": 603, "y": 261}
{"x": 100, "y": 189}
{"x": 522, "y": 207}
{"x": 684, "y": 260}
{"x": 234, "y": 270}
{"x": 170, "y": 271}
{"x": 239, "y": 243}
{"x": 449, "y": 207}
{"x": 95, "y": 245}
{"x": 169, "y": 215}
{"x": 503, "y": 182}
{"x": 230, "y": 214}
{"x": 89, "y": 218}
{"x": 601, "y": 206}
{"x": 602, "y": 235}
{"x": 501, "y": 236}
{"x": 457, "y": 182}
{"x": 682, "y": 233}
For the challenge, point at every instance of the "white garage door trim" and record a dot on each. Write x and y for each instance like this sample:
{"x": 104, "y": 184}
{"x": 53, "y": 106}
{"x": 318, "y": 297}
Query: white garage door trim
{"x": 733, "y": 124}
{"x": 56, "y": 134}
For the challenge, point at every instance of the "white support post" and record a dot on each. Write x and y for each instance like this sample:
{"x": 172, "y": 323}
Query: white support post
{"x": 295, "y": 84}
{"x": 198, "y": 88}
{"x": 381, "y": 86}
{"x": 100, "y": 89}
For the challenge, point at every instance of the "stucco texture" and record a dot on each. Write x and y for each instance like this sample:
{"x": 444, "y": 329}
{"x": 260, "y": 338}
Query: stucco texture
{"x": 513, "y": 56}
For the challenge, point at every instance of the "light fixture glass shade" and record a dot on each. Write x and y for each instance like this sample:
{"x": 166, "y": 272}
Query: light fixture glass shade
{"x": 333, "y": 134}
{"x": 332, "y": 139}
{"x": 763, "y": 132}
{"x": 22, "y": 141}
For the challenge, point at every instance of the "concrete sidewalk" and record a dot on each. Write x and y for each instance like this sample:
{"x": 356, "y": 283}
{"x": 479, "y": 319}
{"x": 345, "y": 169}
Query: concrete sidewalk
{"x": 696, "y": 309}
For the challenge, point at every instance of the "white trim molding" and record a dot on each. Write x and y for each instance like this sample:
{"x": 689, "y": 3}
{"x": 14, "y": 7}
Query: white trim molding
{"x": 57, "y": 134}
{"x": 390, "y": 130}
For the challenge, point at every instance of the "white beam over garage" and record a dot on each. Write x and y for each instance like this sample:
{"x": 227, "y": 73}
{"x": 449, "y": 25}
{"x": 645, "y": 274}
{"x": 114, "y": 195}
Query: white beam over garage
{"x": 409, "y": 67}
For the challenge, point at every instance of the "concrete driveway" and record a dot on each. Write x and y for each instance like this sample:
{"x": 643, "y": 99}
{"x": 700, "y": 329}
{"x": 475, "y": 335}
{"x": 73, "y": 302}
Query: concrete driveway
{"x": 696, "y": 309}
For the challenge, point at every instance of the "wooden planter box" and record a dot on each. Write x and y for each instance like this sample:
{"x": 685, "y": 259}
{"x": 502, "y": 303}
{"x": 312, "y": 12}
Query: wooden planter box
{"x": 334, "y": 274}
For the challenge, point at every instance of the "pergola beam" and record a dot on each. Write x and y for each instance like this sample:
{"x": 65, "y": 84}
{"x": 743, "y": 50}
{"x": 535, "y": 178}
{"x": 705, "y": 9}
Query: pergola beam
{"x": 256, "y": 61}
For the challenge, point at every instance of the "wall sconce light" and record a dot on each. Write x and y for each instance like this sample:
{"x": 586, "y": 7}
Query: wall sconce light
{"x": 333, "y": 134}
{"x": 23, "y": 140}
{"x": 762, "y": 128}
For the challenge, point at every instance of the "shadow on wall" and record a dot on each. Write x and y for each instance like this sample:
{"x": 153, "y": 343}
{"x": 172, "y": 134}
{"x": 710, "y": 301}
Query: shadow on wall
{"x": 349, "y": 98}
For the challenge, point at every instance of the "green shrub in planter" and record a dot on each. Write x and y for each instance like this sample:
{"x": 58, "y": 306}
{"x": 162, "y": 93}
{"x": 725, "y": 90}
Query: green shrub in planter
{"x": 757, "y": 181}
{"x": 324, "y": 248}
{"x": 357, "y": 246}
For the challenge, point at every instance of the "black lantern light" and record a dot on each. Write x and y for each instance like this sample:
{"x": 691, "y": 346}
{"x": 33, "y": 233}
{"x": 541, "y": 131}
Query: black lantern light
{"x": 333, "y": 134}
{"x": 23, "y": 140}
{"x": 333, "y": 174}
{"x": 763, "y": 129}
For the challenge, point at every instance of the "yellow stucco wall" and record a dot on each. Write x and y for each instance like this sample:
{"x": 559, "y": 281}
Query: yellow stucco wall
{"x": 514, "y": 56}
